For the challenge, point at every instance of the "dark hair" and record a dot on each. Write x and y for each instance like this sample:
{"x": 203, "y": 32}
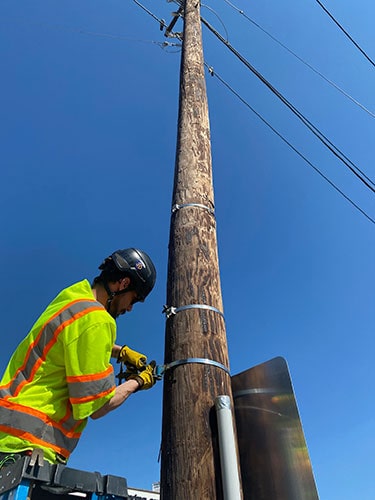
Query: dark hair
{"x": 111, "y": 277}
{"x": 110, "y": 272}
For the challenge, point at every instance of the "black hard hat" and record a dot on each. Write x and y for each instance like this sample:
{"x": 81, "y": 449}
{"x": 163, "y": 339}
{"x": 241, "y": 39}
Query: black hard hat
{"x": 138, "y": 266}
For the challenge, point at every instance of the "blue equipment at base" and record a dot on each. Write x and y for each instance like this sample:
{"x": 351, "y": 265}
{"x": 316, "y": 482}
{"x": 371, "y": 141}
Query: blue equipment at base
{"x": 26, "y": 479}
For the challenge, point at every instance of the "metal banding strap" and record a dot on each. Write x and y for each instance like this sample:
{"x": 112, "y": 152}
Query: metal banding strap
{"x": 223, "y": 403}
{"x": 197, "y": 205}
{"x": 261, "y": 390}
{"x": 202, "y": 361}
{"x": 171, "y": 310}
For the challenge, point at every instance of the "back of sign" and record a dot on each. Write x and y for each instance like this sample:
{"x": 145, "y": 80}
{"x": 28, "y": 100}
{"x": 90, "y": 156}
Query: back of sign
{"x": 275, "y": 463}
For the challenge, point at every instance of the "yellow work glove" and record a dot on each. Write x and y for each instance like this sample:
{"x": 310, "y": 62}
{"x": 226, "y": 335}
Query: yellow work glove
{"x": 145, "y": 378}
{"x": 130, "y": 357}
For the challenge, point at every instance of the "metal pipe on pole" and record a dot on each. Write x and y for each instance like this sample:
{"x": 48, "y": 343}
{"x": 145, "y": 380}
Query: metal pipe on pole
{"x": 195, "y": 338}
{"x": 228, "y": 449}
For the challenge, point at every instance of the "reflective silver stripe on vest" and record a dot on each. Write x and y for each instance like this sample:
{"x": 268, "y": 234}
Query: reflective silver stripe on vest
{"x": 25, "y": 422}
{"x": 12, "y": 418}
{"x": 78, "y": 390}
{"x": 45, "y": 336}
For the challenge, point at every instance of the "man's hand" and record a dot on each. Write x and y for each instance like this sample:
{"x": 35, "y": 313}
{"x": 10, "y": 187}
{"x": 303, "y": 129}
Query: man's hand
{"x": 130, "y": 357}
{"x": 145, "y": 378}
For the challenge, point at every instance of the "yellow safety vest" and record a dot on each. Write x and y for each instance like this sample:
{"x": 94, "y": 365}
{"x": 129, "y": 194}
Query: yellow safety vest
{"x": 58, "y": 376}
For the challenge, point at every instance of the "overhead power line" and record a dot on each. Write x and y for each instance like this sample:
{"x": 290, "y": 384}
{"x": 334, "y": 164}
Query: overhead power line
{"x": 80, "y": 31}
{"x": 330, "y": 82}
{"x": 345, "y": 32}
{"x": 272, "y": 128}
{"x": 160, "y": 21}
{"x": 336, "y": 151}
{"x": 218, "y": 17}
{"x": 213, "y": 73}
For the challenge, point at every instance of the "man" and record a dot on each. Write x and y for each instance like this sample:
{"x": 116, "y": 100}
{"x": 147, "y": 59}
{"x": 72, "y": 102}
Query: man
{"x": 61, "y": 373}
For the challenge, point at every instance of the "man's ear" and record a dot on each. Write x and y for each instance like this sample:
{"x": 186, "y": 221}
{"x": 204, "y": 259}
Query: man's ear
{"x": 124, "y": 283}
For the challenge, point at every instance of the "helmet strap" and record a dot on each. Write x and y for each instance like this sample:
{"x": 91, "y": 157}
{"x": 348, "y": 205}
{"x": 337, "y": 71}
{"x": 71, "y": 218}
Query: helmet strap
{"x": 112, "y": 295}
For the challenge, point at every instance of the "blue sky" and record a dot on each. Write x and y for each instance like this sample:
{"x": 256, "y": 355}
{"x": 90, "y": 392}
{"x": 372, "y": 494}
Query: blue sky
{"x": 88, "y": 129}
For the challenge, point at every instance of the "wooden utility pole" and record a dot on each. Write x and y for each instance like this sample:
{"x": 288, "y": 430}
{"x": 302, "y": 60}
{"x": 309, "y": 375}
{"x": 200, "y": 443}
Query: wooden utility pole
{"x": 196, "y": 354}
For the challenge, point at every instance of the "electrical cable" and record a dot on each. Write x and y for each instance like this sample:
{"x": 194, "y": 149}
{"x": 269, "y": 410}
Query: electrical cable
{"x": 330, "y": 82}
{"x": 210, "y": 69}
{"x": 345, "y": 32}
{"x": 160, "y": 21}
{"x": 217, "y": 15}
{"x": 213, "y": 73}
{"x": 270, "y": 126}
{"x": 336, "y": 151}
{"x": 80, "y": 31}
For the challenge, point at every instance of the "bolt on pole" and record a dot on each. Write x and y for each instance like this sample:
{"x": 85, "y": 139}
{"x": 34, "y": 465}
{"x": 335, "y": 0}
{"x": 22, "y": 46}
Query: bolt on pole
{"x": 190, "y": 459}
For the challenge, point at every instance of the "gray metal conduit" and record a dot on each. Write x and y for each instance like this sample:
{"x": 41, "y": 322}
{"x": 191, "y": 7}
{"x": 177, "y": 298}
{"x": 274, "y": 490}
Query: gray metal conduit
{"x": 228, "y": 455}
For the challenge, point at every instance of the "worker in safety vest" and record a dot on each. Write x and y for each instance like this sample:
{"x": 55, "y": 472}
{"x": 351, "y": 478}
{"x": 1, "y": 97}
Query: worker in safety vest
{"x": 61, "y": 373}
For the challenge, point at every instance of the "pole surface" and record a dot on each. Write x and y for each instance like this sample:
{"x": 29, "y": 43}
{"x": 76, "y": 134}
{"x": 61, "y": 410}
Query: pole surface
{"x": 190, "y": 461}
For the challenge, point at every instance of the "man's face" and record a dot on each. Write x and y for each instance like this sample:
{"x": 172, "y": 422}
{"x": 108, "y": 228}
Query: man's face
{"x": 123, "y": 303}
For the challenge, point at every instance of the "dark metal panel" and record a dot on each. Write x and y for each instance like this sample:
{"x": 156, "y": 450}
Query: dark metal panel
{"x": 275, "y": 463}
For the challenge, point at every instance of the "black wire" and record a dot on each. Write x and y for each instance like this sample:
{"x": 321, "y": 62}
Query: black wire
{"x": 345, "y": 32}
{"x": 336, "y": 151}
{"x": 218, "y": 17}
{"x": 160, "y": 21}
{"x": 213, "y": 73}
{"x": 269, "y": 125}
{"x": 81, "y": 31}
{"x": 342, "y": 91}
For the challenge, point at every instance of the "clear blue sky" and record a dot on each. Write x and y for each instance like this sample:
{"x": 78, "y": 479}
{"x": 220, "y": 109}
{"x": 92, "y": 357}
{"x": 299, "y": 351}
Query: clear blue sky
{"x": 88, "y": 129}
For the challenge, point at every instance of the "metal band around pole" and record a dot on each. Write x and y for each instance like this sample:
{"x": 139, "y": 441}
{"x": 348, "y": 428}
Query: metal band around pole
{"x": 261, "y": 390}
{"x": 197, "y": 205}
{"x": 171, "y": 310}
{"x": 202, "y": 361}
